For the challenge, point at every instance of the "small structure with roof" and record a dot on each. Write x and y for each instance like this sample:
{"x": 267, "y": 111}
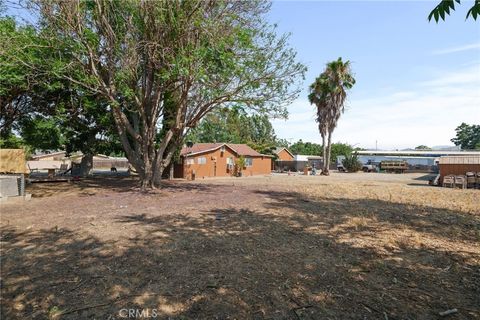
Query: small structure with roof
{"x": 459, "y": 166}
{"x": 283, "y": 154}
{"x": 13, "y": 169}
{"x": 284, "y": 159}
{"x": 220, "y": 160}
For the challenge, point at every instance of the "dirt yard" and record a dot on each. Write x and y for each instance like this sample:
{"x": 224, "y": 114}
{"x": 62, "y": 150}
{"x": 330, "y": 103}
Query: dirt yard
{"x": 348, "y": 246}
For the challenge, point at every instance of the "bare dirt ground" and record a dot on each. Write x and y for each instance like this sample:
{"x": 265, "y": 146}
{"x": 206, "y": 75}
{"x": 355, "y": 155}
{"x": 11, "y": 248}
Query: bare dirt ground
{"x": 348, "y": 246}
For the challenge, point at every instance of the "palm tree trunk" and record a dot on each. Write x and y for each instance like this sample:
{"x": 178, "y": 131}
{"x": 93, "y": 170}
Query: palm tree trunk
{"x": 324, "y": 155}
{"x": 329, "y": 149}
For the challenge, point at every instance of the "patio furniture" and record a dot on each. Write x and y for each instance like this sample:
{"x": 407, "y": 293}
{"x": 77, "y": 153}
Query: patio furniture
{"x": 448, "y": 181}
{"x": 461, "y": 182}
{"x": 471, "y": 179}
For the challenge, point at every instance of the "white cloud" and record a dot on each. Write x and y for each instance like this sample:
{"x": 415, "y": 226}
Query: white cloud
{"x": 425, "y": 113}
{"x": 458, "y": 49}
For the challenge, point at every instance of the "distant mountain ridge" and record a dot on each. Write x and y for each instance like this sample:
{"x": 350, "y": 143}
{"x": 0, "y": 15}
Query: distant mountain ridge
{"x": 436, "y": 148}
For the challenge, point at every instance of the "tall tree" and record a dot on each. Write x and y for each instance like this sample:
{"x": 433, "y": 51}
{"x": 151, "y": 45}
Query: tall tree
{"x": 22, "y": 91}
{"x": 48, "y": 111}
{"x": 328, "y": 93}
{"x": 136, "y": 55}
{"x": 422, "y": 147}
{"x": 235, "y": 125}
{"x": 468, "y": 136}
{"x": 306, "y": 148}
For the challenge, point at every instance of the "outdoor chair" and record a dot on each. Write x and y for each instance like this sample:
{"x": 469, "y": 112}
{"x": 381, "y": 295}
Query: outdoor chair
{"x": 471, "y": 179}
{"x": 461, "y": 182}
{"x": 448, "y": 181}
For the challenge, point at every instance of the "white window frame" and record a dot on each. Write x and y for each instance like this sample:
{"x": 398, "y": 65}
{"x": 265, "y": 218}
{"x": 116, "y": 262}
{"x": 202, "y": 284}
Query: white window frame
{"x": 230, "y": 161}
{"x": 248, "y": 162}
{"x": 190, "y": 161}
{"x": 202, "y": 160}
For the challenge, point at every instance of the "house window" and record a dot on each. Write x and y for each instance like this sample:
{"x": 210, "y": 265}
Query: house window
{"x": 202, "y": 160}
{"x": 190, "y": 161}
{"x": 230, "y": 161}
{"x": 248, "y": 162}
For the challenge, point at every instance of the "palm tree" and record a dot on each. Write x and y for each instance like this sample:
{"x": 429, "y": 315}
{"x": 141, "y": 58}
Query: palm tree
{"x": 328, "y": 93}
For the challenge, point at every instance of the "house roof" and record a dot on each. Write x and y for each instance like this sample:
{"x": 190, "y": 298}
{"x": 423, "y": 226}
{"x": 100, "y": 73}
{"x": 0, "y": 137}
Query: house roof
{"x": 46, "y": 155}
{"x": 278, "y": 149}
{"x": 306, "y": 157}
{"x": 460, "y": 160}
{"x": 239, "y": 149}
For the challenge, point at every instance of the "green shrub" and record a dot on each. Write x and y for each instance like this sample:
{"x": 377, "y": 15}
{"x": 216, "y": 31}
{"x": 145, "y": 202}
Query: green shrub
{"x": 351, "y": 163}
{"x": 239, "y": 165}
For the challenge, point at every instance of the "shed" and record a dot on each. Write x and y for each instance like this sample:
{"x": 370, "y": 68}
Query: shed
{"x": 12, "y": 172}
{"x": 458, "y": 165}
{"x": 13, "y": 161}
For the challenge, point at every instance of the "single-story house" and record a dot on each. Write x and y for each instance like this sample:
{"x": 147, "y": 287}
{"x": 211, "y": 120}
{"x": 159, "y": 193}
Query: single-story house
{"x": 283, "y": 154}
{"x": 284, "y": 159}
{"x": 220, "y": 160}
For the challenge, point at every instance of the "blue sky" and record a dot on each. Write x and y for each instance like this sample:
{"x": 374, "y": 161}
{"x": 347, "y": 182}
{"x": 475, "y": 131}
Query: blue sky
{"x": 416, "y": 80}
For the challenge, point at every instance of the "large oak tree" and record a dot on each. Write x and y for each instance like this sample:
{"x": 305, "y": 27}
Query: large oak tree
{"x": 161, "y": 66}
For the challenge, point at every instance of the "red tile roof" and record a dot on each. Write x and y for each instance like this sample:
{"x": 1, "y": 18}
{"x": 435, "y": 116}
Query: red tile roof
{"x": 240, "y": 149}
{"x": 244, "y": 150}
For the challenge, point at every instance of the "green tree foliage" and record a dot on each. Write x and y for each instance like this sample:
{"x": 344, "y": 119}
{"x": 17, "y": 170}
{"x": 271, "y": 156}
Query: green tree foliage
{"x": 306, "y": 148}
{"x": 444, "y": 7}
{"x": 11, "y": 141}
{"x": 283, "y": 143}
{"x": 340, "y": 149}
{"x": 328, "y": 93}
{"x": 22, "y": 91}
{"x": 41, "y": 133}
{"x": 351, "y": 163}
{"x": 239, "y": 165}
{"x": 468, "y": 136}
{"x": 422, "y": 147}
{"x": 135, "y": 54}
{"x": 48, "y": 111}
{"x": 314, "y": 149}
{"x": 235, "y": 125}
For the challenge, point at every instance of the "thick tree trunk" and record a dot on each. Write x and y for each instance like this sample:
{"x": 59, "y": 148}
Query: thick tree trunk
{"x": 86, "y": 165}
{"x": 171, "y": 174}
{"x": 163, "y": 161}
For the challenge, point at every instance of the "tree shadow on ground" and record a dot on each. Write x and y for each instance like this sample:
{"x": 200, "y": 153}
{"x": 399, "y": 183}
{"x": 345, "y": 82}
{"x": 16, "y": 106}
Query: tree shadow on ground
{"x": 423, "y": 219}
{"x": 93, "y": 185}
{"x": 287, "y": 260}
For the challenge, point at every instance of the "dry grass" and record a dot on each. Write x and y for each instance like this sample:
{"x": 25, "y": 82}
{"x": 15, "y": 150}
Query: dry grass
{"x": 360, "y": 246}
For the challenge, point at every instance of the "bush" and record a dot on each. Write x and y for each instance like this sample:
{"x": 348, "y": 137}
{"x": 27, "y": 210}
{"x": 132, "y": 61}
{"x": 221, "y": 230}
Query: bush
{"x": 351, "y": 163}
